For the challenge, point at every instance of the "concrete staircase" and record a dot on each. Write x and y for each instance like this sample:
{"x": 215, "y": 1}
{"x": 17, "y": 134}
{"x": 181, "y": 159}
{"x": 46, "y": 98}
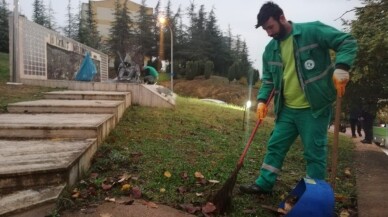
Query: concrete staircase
{"x": 46, "y": 146}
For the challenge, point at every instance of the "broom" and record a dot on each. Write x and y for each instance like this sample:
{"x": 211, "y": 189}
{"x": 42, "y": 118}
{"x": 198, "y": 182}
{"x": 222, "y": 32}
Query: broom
{"x": 222, "y": 200}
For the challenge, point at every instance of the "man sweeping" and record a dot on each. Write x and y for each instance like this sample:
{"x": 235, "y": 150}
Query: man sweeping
{"x": 297, "y": 65}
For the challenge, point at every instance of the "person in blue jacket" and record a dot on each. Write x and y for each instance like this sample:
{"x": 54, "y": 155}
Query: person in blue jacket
{"x": 297, "y": 65}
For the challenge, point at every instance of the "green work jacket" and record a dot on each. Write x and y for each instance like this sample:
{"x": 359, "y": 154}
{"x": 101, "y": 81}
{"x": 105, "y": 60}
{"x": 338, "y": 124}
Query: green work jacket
{"x": 312, "y": 44}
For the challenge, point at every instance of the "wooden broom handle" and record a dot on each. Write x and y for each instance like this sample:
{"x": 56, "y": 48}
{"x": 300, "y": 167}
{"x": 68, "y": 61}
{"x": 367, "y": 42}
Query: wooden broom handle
{"x": 258, "y": 122}
{"x": 334, "y": 153}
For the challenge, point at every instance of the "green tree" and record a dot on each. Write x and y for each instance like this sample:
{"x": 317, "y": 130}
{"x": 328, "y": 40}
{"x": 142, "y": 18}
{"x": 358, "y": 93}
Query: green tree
{"x": 39, "y": 15}
{"x": 218, "y": 52}
{"x": 70, "y": 29}
{"x": 4, "y": 28}
{"x": 121, "y": 32}
{"x": 94, "y": 37}
{"x": 144, "y": 35}
{"x": 370, "y": 75}
{"x": 51, "y": 24}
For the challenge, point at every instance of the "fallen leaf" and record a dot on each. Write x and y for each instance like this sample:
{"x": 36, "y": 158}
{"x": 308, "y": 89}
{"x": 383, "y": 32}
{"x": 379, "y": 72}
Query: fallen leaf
{"x": 190, "y": 208}
{"x": 344, "y": 213}
{"x": 136, "y": 192}
{"x": 92, "y": 190}
{"x": 182, "y": 190}
{"x": 184, "y": 175}
{"x": 199, "y": 194}
{"x": 106, "y": 215}
{"x": 124, "y": 177}
{"x": 214, "y": 181}
{"x": 162, "y": 190}
{"x": 152, "y": 205}
{"x": 126, "y": 187}
{"x": 93, "y": 175}
{"x": 75, "y": 194}
{"x": 340, "y": 198}
{"x": 106, "y": 186}
{"x": 249, "y": 211}
{"x": 347, "y": 172}
{"x": 208, "y": 208}
{"x": 167, "y": 174}
{"x": 126, "y": 201}
{"x": 110, "y": 199}
{"x": 198, "y": 175}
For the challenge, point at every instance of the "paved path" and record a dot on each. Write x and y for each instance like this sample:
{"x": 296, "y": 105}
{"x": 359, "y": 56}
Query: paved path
{"x": 372, "y": 178}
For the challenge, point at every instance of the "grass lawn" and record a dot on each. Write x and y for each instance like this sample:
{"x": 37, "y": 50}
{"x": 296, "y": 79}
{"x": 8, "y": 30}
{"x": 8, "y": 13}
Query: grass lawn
{"x": 158, "y": 151}
{"x": 150, "y": 143}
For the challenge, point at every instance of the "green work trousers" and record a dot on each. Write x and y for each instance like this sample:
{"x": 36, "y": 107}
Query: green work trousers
{"x": 313, "y": 133}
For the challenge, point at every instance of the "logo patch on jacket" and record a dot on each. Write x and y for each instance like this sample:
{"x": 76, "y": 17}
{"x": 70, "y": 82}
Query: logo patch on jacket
{"x": 309, "y": 64}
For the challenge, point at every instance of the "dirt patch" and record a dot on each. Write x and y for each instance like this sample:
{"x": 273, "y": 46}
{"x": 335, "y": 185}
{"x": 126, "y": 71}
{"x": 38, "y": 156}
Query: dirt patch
{"x": 137, "y": 209}
{"x": 214, "y": 88}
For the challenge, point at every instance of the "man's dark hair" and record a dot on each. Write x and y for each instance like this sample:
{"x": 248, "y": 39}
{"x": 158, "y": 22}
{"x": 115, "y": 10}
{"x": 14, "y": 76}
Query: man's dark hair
{"x": 268, "y": 10}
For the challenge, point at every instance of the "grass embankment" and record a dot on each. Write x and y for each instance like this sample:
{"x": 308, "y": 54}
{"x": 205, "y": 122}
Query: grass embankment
{"x": 15, "y": 93}
{"x": 195, "y": 137}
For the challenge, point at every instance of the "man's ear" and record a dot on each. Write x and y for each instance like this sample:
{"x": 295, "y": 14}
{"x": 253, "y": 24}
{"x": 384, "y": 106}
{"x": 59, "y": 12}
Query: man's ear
{"x": 282, "y": 19}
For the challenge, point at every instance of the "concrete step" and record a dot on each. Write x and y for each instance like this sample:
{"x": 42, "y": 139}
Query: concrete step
{"x": 30, "y": 202}
{"x": 49, "y": 126}
{"x": 69, "y": 106}
{"x": 90, "y": 95}
{"x": 31, "y": 163}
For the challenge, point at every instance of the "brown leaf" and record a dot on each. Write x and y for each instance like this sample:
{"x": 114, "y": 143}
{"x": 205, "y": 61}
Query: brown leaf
{"x": 93, "y": 175}
{"x": 92, "y": 190}
{"x": 84, "y": 193}
{"x": 208, "y": 208}
{"x": 136, "y": 192}
{"x": 106, "y": 186}
{"x": 347, "y": 172}
{"x": 249, "y": 211}
{"x": 76, "y": 194}
{"x": 344, "y": 213}
{"x": 340, "y": 198}
{"x": 182, "y": 190}
{"x": 150, "y": 204}
{"x": 190, "y": 208}
{"x": 198, "y": 175}
{"x": 184, "y": 175}
{"x": 126, "y": 201}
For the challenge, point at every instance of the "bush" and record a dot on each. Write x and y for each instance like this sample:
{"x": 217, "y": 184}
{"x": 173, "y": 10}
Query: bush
{"x": 190, "y": 75}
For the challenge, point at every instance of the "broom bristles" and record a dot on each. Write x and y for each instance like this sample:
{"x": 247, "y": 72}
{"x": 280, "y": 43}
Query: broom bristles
{"x": 222, "y": 200}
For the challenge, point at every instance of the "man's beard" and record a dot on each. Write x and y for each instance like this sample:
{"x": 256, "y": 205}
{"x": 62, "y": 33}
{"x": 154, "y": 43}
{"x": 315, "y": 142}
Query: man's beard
{"x": 281, "y": 34}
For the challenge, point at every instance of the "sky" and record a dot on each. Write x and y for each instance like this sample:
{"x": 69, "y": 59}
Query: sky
{"x": 239, "y": 15}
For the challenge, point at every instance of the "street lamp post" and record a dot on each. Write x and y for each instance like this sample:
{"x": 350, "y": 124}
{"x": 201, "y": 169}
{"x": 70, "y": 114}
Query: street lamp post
{"x": 163, "y": 21}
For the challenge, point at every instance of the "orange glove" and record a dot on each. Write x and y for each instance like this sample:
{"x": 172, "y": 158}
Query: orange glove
{"x": 261, "y": 110}
{"x": 340, "y": 79}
